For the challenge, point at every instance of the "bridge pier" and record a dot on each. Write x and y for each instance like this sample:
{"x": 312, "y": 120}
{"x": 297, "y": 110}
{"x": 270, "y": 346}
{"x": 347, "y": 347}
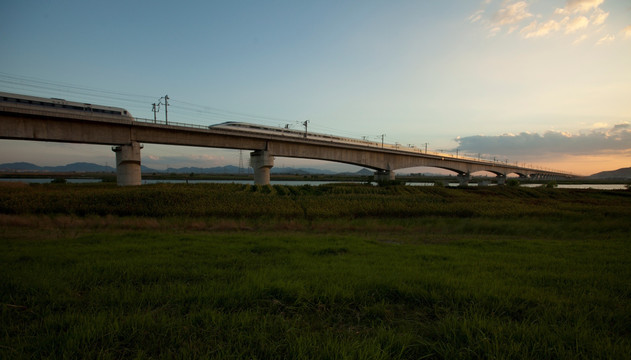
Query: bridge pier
{"x": 384, "y": 175}
{"x": 261, "y": 161}
{"x": 128, "y": 164}
{"x": 501, "y": 179}
{"x": 464, "y": 179}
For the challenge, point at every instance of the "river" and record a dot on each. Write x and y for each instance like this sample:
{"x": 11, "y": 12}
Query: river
{"x": 301, "y": 182}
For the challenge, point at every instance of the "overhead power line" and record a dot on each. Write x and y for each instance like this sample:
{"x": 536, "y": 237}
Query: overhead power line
{"x": 181, "y": 111}
{"x": 31, "y": 82}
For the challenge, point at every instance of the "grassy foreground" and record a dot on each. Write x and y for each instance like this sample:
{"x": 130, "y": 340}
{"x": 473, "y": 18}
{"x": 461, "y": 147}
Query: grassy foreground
{"x": 343, "y": 271}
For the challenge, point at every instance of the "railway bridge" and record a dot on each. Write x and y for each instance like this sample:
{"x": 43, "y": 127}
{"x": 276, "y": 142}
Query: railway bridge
{"x": 28, "y": 121}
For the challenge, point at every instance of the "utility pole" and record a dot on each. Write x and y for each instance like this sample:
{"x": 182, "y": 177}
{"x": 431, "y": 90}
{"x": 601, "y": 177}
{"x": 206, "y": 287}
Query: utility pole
{"x": 426, "y": 147}
{"x": 166, "y": 105}
{"x": 155, "y": 110}
{"x": 382, "y": 136}
{"x": 306, "y": 124}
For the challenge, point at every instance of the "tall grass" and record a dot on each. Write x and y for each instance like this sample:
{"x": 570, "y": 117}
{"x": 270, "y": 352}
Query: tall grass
{"x": 400, "y": 272}
{"x": 291, "y": 202}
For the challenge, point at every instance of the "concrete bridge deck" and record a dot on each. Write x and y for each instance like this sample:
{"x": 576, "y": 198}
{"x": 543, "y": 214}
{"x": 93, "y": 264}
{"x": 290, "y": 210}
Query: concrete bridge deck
{"x": 125, "y": 134}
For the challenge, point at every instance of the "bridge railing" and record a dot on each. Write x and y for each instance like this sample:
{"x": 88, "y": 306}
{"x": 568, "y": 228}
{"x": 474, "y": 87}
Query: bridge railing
{"x": 170, "y": 123}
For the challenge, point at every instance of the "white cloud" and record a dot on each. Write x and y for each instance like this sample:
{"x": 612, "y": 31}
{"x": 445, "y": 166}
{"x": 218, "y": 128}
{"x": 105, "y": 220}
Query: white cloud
{"x": 579, "y": 6}
{"x": 494, "y": 31}
{"x": 606, "y": 39}
{"x": 508, "y": 16}
{"x": 535, "y": 29}
{"x": 476, "y": 16}
{"x": 580, "y": 39}
{"x": 511, "y": 14}
{"x": 576, "y": 24}
{"x": 598, "y": 140}
{"x": 599, "y": 17}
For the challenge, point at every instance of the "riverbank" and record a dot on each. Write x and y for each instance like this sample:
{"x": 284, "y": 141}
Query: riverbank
{"x": 292, "y": 179}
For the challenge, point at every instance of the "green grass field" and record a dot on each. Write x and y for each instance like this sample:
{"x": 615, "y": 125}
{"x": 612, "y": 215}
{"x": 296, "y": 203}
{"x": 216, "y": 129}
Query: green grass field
{"x": 328, "y": 272}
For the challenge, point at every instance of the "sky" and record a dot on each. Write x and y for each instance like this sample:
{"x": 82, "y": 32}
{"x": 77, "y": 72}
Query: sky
{"x": 540, "y": 82}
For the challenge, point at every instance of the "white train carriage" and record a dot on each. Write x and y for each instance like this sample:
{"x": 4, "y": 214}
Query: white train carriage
{"x": 61, "y": 105}
{"x": 270, "y": 130}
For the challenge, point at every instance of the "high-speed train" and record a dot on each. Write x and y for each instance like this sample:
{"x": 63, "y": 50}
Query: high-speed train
{"x": 61, "y": 105}
{"x": 270, "y": 130}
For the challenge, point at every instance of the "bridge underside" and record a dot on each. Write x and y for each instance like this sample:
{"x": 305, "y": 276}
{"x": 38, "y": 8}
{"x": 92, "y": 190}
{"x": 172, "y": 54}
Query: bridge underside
{"x": 386, "y": 162}
{"x": 127, "y": 136}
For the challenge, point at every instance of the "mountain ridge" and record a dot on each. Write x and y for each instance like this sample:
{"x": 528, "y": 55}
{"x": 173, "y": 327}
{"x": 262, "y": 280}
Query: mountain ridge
{"x": 83, "y": 167}
{"x": 622, "y": 173}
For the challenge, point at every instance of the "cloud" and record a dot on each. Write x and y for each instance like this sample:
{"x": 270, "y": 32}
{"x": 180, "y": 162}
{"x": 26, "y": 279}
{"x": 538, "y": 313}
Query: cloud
{"x": 535, "y": 29}
{"x": 606, "y": 39}
{"x": 599, "y": 125}
{"x": 476, "y": 16}
{"x": 576, "y": 24}
{"x": 511, "y": 14}
{"x": 580, "y": 39}
{"x": 579, "y": 6}
{"x": 599, "y": 17}
{"x": 532, "y": 145}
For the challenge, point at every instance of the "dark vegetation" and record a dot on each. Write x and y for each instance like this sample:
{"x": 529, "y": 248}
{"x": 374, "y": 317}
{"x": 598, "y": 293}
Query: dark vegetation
{"x": 334, "y": 271}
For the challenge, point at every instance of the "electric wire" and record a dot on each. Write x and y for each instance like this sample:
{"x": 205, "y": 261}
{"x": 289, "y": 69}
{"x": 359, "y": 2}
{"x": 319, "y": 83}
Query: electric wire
{"x": 182, "y": 111}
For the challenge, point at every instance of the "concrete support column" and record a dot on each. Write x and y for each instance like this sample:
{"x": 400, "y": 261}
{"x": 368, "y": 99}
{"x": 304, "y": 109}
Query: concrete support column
{"x": 384, "y": 175}
{"x": 464, "y": 179}
{"x": 501, "y": 179}
{"x": 261, "y": 161}
{"x": 128, "y": 164}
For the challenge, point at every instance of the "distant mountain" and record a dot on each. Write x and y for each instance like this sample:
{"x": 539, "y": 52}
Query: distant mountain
{"x": 81, "y": 167}
{"x": 624, "y": 173}
{"x": 197, "y": 170}
{"x": 229, "y": 169}
{"x": 74, "y": 167}
{"x": 19, "y": 167}
{"x": 362, "y": 172}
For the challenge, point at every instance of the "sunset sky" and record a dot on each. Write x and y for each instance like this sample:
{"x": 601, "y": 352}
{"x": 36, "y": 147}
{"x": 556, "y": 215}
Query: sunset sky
{"x": 541, "y": 82}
